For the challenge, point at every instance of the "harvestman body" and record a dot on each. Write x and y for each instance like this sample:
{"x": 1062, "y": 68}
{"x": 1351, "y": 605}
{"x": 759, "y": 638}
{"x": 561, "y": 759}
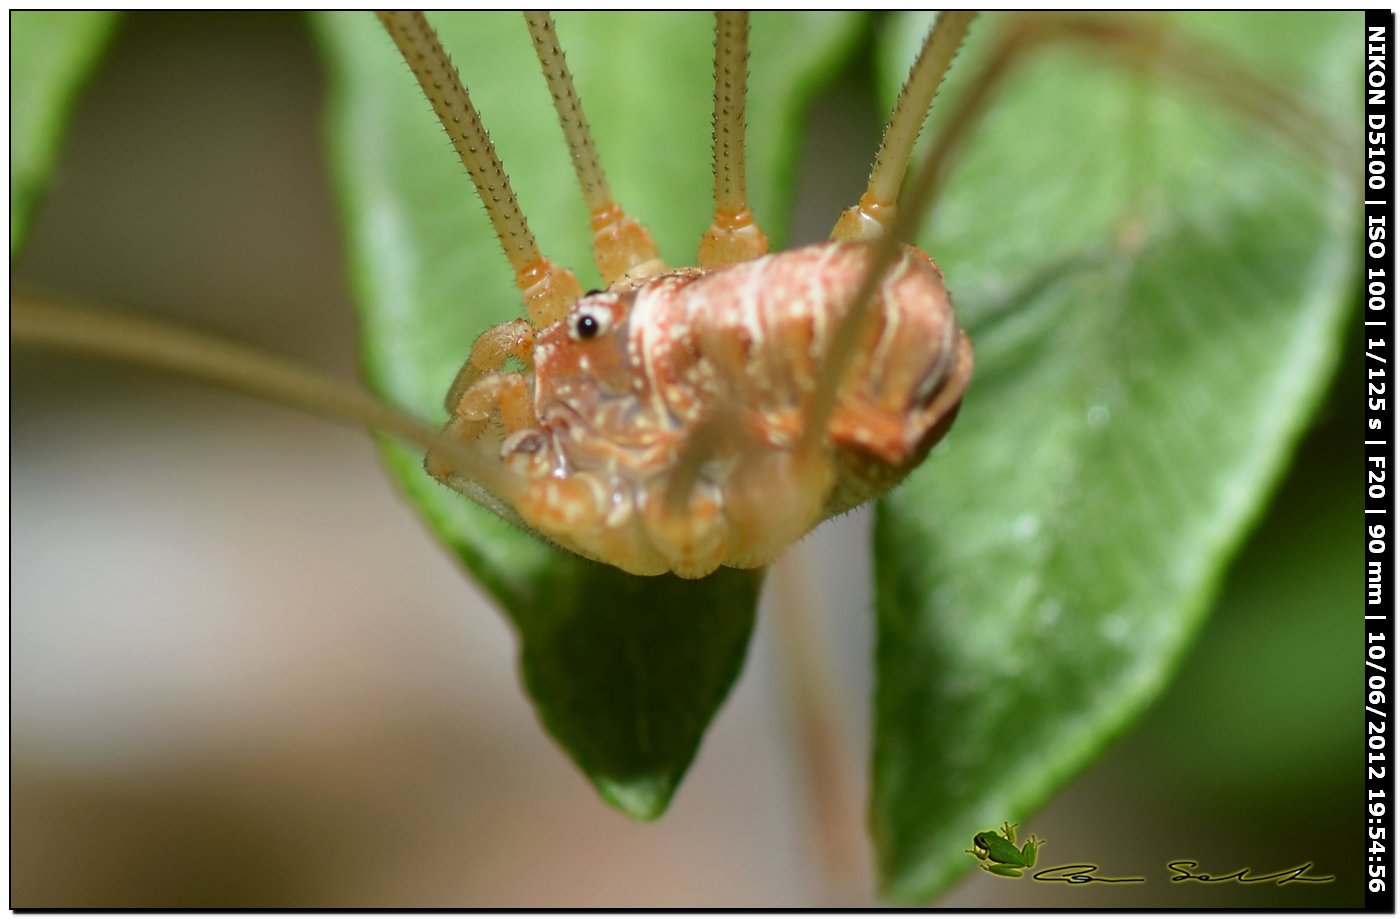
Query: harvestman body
{"x": 684, "y": 419}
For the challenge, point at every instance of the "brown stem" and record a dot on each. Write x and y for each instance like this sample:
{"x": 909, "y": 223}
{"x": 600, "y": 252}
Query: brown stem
{"x": 42, "y": 322}
{"x": 830, "y": 790}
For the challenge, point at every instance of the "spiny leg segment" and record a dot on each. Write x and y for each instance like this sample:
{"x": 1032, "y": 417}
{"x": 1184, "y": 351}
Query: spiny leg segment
{"x": 482, "y": 390}
{"x": 547, "y": 289}
{"x": 734, "y": 236}
{"x": 875, "y": 215}
{"x": 868, "y": 219}
{"x": 622, "y": 247}
{"x": 808, "y": 470}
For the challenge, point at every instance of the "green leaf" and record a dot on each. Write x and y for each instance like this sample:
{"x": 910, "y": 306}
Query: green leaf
{"x": 1259, "y": 734}
{"x": 50, "y": 55}
{"x": 1154, "y": 288}
{"x": 625, "y": 672}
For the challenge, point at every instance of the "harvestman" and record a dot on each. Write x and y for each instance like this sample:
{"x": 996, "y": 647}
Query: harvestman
{"x": 681, "y": 419}
{"x": 684, "y": 419}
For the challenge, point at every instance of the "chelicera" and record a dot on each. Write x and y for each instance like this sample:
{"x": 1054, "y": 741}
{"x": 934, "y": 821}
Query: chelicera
{"x": 683, "y": 419}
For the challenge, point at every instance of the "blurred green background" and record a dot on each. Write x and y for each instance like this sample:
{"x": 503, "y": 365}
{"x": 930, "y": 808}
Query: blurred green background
{"x": 243, "y": 674}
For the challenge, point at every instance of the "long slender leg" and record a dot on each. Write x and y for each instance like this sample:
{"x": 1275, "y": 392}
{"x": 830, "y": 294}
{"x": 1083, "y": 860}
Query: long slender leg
{"x": 547, "y": 289}
{"x": 621, "y": 246}
{"x": 1129, "y": 42}
{"x": 734, "y": 236}
{"x": 807, "y": 472}
{"x": 942, "y": 44}
{"x": 875, "y": 215}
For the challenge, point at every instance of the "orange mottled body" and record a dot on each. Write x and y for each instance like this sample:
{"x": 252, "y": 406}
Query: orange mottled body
{"x": 691, "y": 418}
{"x": 670, "y": 411}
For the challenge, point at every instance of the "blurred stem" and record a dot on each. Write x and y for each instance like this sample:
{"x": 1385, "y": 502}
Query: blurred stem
{"x": 48, "y": 323}
{"x": 43, "y": 322}
{"x": 831, "y": 793}
{"x": 1144, "y": 44}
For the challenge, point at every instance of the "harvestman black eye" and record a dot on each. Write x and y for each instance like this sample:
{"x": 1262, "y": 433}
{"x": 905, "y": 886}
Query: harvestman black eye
{"x": 590, "y": 323}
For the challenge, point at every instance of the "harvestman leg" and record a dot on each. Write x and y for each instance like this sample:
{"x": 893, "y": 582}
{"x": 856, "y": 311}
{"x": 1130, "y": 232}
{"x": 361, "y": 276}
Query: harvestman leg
{"x": 734, "y": 236}
{"x": 688, "y": 511}
{"x": 875, "y": 214}
{"x": 1128, "y": 42}
{"x": 877, "y": 217}
{"x": 547, "y": 289}
{"x": 622, "y": 247}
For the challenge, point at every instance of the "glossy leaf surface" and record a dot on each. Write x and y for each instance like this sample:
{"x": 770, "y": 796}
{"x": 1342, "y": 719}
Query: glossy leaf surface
{"x": 1154, "y": 285}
